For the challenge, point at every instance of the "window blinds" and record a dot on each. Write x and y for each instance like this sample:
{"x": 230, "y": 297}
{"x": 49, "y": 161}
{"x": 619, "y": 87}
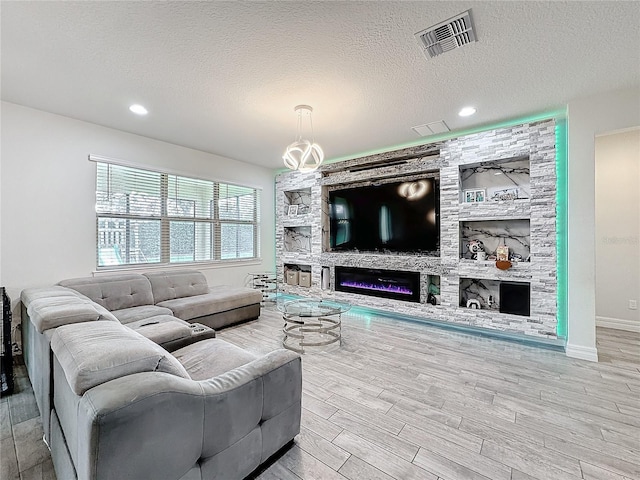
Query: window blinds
{"x": 147, "y": 217}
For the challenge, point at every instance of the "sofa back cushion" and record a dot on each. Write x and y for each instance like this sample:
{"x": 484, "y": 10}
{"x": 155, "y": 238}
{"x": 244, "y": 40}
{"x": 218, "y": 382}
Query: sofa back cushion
{"x": 114, "y": 292}
{"x": 94, "y": 353}
{"x": 177, "y": 284}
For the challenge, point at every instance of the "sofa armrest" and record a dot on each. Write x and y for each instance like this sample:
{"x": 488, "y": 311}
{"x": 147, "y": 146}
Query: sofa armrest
{"x": 246, "y": 397}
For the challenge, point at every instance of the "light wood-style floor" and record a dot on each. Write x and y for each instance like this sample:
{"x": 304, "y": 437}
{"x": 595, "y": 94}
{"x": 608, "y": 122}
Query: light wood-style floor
{"x": 402, "y": 400}
{"x": 408, "y": 401}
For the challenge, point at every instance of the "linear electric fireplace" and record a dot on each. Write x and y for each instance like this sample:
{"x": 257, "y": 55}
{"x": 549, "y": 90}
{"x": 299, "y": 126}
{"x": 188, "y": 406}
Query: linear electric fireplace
{"x": 394, "y": 284}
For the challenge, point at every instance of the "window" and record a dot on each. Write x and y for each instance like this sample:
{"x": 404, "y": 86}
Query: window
{"x": 147, "y": 217}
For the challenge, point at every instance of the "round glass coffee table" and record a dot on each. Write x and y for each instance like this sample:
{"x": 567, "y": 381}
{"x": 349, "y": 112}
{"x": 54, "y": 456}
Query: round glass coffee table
{"x": 311, "y": 323}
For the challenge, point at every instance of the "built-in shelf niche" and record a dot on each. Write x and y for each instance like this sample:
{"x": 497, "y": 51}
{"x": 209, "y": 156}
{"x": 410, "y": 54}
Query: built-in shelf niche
{"x": 301, "y": 199}
{"x": 497, "y": 296}
{"x": 495, "y": 180}
{"x": 297, "y": 239}
{"x": 433, "y": 295}
{"x": 296, "y": 274}
{"x": 514, "y": 233}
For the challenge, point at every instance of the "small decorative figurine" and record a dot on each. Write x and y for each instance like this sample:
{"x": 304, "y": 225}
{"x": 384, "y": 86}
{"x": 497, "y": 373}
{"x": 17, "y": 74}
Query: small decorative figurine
{"x": 473, "y": 303}
{"x": 502, "y": 253}
{"x": 475, "y": 246}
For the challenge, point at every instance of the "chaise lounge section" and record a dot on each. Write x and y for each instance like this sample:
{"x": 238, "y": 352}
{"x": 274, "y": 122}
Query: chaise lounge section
{"x": 184, "y": 294}
{"x": 188, "y": 296}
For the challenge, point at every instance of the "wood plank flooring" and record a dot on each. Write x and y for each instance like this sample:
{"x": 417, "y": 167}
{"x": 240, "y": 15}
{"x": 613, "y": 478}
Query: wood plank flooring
{"x": 402, "y": 400}
{"x": 23, "y": 454}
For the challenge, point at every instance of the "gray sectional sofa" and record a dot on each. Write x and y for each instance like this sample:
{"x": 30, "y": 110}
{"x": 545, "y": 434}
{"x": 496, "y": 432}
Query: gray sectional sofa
{"x": 116, "y": 404}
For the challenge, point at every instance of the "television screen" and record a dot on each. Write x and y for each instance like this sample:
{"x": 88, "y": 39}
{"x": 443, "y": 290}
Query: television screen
{"x": 396, "y": 217}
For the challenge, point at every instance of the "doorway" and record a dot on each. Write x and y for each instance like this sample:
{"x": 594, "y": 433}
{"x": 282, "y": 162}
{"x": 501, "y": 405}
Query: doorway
{"x": 617, "y": 230}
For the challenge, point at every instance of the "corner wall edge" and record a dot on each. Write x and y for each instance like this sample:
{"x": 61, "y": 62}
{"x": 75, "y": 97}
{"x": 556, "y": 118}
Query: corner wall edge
{"x": 581, "y": 352}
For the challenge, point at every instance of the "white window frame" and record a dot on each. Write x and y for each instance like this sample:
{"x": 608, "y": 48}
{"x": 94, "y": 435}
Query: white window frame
{"x": 215, "y": 221}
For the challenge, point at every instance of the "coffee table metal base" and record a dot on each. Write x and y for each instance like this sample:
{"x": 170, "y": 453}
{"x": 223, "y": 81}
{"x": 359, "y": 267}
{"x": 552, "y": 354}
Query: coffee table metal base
{"x": 301, "y": 332}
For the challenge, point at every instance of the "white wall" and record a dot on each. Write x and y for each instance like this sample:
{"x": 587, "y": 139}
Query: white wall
{"x": 618, "y": 229}
{"x": 48, "y": 195}
{"x": 1, "y": 279}
{"x": 587, "y": 118}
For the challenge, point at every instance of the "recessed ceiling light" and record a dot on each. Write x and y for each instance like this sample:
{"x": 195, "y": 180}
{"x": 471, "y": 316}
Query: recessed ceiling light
{"x": 138, "y": 109}
{"x": 467, "y": 111}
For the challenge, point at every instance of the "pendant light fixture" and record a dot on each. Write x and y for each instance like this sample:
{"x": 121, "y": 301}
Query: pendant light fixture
{"x": 303, "y": 155}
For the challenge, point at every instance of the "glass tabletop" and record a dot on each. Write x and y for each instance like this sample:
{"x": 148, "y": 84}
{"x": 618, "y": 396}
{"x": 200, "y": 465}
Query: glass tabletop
{"x": 312, "y": 307}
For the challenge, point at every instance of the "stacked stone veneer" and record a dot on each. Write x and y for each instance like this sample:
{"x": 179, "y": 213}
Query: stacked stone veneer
{"x": 535, "y": 141}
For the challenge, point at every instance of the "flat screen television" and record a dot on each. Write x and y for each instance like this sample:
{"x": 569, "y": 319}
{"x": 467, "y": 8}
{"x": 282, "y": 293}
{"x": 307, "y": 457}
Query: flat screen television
{"x": 398, "y": 216}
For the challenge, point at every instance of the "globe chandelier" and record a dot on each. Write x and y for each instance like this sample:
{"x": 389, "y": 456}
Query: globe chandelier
{"x": 303, "y": 155}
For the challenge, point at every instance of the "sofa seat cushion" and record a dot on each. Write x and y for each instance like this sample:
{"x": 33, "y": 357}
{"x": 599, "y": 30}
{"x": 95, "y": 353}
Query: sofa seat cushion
{"x": 94, "y": 353}
{"x": 161, "y": 328}
{"x": 134, "y": 314}
{"x": 210, "y": 358}
{"x": 51, "y": 312}
{"x": 114, "y": 292}
{"x": 219, "y": 299}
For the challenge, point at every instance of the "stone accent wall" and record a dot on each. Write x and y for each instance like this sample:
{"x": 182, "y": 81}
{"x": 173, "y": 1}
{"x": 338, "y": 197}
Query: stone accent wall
{"x": 532, "y": 141}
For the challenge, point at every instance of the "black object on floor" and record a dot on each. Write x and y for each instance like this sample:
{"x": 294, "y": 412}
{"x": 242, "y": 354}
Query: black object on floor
{"x": 6, "y": 353}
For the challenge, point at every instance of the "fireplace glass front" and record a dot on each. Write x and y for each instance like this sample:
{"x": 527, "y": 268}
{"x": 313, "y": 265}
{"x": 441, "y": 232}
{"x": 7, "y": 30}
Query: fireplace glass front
{"x": 393, "y": 284}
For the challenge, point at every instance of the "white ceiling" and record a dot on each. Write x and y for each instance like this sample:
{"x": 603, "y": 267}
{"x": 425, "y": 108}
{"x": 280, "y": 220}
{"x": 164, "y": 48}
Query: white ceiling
{"x": 223, "y": 77}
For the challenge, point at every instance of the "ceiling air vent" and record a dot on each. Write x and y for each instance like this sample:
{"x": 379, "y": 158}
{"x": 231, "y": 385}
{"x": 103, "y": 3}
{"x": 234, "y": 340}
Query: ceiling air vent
{"x": 448, "y": 35}
{"x": 432, "y": 128}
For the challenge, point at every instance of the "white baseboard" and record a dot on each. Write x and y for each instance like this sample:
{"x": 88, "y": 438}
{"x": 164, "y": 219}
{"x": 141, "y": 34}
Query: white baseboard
{"x": 583, "y": 353}
{"x": 618, "y": 324}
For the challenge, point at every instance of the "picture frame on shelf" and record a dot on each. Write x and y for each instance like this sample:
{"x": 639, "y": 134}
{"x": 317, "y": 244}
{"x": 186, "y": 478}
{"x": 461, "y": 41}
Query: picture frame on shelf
{"x": 474, "y": 195}
{"x": 292, "y": 211}
{"x": 505, "y": 194}
{"x": 469, "y": 196}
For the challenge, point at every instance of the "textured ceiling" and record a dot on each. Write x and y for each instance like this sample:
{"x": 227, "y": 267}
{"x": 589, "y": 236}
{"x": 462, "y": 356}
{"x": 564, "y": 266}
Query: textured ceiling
{"x": 223, "y": 77}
